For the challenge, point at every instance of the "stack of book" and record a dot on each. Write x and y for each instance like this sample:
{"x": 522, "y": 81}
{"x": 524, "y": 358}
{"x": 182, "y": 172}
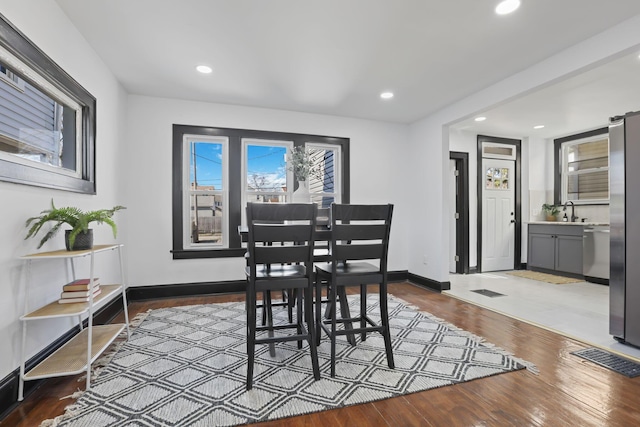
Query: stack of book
{"x": 79, "y": 291}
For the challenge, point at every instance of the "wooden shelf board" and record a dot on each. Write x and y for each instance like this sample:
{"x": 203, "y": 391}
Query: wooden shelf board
{"x": 55, "y": 309}
{"x": 71, "y": 358}
{"x": 63, "y": 253}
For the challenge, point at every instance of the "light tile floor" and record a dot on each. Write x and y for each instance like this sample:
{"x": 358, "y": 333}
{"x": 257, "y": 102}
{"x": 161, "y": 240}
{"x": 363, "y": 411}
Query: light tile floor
{"x": 578, "y": 310}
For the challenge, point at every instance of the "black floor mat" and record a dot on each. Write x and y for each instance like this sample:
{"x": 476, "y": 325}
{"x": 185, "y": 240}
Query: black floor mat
{"x": 488, "y": 293}
{"x": 611, "y": 361}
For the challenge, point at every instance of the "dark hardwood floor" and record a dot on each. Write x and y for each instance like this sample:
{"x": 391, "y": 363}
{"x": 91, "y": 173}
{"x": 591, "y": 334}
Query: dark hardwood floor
{"x": 568, "y": 391}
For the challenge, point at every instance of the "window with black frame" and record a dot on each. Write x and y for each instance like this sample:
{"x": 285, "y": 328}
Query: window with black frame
{"x": 47, "y": 120}
{"x": 217, "y": 171}
{"x": 582, "y": 165}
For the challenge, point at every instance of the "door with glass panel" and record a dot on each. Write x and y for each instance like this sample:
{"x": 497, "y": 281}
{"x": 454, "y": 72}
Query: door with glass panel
{"x": 498, "y": 215}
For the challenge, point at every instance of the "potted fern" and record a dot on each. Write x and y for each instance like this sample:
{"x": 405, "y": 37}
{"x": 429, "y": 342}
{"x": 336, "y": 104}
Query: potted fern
{"x": 80, "y": 236}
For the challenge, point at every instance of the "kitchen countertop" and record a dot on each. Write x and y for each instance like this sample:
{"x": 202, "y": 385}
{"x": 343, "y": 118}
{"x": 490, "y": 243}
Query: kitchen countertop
{"x": 568, "y": 223}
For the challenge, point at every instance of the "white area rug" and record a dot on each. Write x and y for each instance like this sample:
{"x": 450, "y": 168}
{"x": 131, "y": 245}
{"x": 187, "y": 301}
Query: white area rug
{"x": 186, "y": 366}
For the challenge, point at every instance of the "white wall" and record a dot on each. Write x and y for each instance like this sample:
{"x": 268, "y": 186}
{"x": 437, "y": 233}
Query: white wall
{"x": 429, "y": 138}
{"x": 45, "y": 24}
{"x": 376, "y": 177}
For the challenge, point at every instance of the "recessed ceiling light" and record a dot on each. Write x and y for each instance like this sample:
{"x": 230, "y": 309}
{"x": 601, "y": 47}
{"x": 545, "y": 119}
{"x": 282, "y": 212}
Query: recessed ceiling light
{"x": 480, "y": 119}
{"x": 204, "y": 69}
{"x": 507, "y": 6}
{"x": 386, "y": 95}
{"x": 538, "y": 126}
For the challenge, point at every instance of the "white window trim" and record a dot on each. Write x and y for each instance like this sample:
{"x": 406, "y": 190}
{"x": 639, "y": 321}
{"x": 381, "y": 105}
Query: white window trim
{"x": 564, "y": 173}
{"x": 187, "y": 192}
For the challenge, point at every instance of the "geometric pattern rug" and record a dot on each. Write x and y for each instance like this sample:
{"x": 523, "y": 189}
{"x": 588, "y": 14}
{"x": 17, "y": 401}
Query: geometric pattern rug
{"x": 186, "y": 366}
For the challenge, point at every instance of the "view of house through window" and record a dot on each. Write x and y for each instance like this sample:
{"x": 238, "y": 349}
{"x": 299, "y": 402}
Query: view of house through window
{"x": 37, "y": 125}
{"x": 323, "y": 186}
{"x": 585, "y": 170}
{"x": 220, "y": 174}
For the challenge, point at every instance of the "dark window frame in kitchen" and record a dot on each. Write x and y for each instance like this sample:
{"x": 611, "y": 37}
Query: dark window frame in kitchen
{"x": 557, "y": 163}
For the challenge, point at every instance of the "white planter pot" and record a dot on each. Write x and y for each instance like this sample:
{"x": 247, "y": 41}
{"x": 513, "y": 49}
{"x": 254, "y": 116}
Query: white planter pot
{"x": 301, "y": 195}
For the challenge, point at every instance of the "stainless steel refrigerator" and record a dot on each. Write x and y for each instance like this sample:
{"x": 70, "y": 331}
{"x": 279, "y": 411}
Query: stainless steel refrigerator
{"x": 624, "y": 185}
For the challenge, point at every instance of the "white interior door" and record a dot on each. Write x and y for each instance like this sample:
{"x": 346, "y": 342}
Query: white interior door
{"x": 498, "y": 215}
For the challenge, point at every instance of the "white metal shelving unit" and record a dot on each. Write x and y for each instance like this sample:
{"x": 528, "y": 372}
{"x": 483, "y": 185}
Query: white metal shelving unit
{"x": 77, "y": 355}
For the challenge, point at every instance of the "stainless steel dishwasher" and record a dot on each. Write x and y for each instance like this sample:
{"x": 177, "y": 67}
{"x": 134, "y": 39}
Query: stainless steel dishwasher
{"x": 595, "y": 253}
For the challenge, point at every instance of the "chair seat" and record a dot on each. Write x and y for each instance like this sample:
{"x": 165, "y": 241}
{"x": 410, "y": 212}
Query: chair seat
{"x": 352, "y": 268}
{"x": 278, "y": 271}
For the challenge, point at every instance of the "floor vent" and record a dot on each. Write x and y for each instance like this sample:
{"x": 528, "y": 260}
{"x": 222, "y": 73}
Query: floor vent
{"x": 488, "y": 293}
{"x": 610, "y": 361}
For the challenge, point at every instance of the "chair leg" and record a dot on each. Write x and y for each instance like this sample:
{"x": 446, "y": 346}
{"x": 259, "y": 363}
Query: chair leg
{"x": 327, "y": 310}
{"x": 332, "y": 301}
{"x": 299, "y": 315}
{"x": 251, "y": 337}
{"x": 308, "y": 315}
{"x": 318, "y": 310}
{"x": 384, "y": 316}
{"x": 363, "y": 310}
{"x": 269, "y": 310}
{"x": 264, "y": 306}
{"x": 291, "y": 295}
{"x": 345, "y": 313}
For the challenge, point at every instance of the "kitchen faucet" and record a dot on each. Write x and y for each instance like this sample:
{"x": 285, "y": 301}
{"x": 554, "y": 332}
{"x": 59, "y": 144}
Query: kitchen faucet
{"x": 573, "y": 213}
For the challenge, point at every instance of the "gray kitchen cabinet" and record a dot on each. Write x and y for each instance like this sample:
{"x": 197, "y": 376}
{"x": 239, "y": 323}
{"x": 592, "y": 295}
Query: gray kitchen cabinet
{"x": 555, "y": 248}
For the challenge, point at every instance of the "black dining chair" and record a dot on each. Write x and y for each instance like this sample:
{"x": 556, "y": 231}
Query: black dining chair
{"x": 287, "y": 265}
{"x": 359, "y": 249}
{"x": 322, "y": 253}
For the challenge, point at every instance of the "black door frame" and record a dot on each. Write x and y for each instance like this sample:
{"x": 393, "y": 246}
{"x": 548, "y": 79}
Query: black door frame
{"x": 517, "y": 264}
{"x": 462, "y": 207}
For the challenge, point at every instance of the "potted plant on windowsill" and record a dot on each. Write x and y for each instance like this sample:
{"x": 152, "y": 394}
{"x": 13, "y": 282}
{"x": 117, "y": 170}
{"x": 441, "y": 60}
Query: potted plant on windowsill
{"x": 300, "y": 163}
{"x": 550, "y": 212}
{"x": 80, "y": 236}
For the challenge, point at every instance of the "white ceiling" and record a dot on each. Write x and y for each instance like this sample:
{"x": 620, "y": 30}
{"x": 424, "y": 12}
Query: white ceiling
{"x": 336, "y": 56}
{"x": 581, "y": 103}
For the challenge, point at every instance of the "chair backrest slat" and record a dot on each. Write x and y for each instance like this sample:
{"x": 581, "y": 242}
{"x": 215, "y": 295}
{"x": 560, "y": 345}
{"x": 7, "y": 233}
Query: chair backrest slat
{"x": 281, "y": 232}
{"x": 358, "y": 252}
{"x": 281, "y": 254}
{"x": 280, "y": 212}
{"x": 361, "y": 212}
{"x": 359, "y": 231}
